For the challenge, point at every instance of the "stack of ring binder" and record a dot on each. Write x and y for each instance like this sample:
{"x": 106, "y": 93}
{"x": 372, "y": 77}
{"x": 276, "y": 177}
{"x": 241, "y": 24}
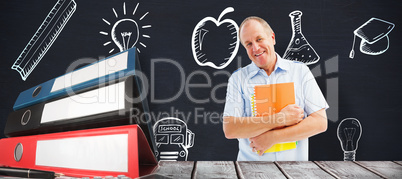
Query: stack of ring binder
{"x": 80, "y": 123}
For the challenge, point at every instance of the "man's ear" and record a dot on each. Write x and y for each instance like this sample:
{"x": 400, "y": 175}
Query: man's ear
{"x": 273, "y": 38}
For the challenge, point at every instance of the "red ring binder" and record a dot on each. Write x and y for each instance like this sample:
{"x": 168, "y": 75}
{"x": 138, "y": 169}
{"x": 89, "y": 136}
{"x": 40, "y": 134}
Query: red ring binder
{"x": 136, "y": 159}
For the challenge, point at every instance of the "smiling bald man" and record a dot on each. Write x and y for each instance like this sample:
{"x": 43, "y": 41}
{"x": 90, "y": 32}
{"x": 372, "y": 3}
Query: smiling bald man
{"x": 293, "y": 124}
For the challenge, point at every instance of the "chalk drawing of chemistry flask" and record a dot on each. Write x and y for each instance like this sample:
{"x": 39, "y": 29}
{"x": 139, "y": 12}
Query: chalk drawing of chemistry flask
{"x": 299, "y": 49}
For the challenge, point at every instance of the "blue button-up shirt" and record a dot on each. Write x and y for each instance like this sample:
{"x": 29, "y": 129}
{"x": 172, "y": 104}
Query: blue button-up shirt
{"x": 238, "y": 102}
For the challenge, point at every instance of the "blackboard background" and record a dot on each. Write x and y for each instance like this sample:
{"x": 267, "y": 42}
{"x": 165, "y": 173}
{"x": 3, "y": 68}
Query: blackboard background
{"x": 369, "y": 86}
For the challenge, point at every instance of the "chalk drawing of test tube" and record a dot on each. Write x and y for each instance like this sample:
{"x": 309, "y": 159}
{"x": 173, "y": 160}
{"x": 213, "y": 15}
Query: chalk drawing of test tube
{"x": 44, "y": 37}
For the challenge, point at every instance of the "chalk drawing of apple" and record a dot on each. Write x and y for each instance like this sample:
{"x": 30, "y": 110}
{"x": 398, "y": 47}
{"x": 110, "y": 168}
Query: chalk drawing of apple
{"x": 214, "y": 42}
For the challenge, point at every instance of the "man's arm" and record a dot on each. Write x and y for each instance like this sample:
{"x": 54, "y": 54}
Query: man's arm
{"x": 314, "y": 124}
{"x": 247, "y": 127}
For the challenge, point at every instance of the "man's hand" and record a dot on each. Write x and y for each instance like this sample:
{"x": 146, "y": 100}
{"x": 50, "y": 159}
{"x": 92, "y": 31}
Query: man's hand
{"x": 262, "y": 142}
{"x": 314, "y": 124}
{"x": 292, "y": 113}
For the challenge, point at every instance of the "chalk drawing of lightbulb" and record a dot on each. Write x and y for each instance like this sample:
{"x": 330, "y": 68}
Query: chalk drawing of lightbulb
{"x": 126, "y": 32}
{"x": 349, "y": 133}
{"x": 122, "y": 33}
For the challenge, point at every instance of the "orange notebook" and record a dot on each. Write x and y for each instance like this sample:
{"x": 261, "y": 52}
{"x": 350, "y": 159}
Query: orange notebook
{"x": 271, "y": 99}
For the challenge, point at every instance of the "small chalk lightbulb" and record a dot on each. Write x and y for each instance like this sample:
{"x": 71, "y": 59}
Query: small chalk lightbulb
{"x": 125, "y": 33}
{"x": 349, "y": 132}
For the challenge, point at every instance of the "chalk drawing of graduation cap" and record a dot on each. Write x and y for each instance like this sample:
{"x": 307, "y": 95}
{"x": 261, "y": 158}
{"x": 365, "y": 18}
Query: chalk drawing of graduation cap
{"x": 374, "y": 35}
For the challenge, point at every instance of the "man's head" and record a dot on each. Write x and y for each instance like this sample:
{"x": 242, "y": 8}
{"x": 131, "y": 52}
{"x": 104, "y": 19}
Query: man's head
{"x": 259, "y": 39}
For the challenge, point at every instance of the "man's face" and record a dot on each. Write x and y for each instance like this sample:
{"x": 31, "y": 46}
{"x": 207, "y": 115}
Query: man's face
{"x": 259, "y": 44}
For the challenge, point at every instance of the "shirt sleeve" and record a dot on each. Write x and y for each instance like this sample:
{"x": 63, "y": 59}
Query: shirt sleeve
{"x": 313, "y": 98}
{"x": 234, "y": 105}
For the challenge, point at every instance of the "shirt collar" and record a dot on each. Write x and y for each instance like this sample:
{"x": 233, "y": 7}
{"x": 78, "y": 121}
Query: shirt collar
{"x": 280, "y": 65}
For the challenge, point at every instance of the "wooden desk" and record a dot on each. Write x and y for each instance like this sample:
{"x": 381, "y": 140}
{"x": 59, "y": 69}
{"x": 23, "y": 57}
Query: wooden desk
{"x": 308, "y": 169}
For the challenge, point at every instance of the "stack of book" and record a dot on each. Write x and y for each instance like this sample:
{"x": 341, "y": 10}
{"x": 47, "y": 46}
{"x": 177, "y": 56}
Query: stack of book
{"x": 93, "y": 121}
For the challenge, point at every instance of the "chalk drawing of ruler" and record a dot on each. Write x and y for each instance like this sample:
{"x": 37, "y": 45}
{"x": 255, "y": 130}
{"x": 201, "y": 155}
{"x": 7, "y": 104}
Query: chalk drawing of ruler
{"x": 44, "y": 37}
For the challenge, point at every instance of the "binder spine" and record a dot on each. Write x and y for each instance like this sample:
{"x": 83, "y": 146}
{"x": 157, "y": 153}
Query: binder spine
{"x": 110, "y": 151}
{"x": 111, "y": 68}
{"x": 72, "y": 113}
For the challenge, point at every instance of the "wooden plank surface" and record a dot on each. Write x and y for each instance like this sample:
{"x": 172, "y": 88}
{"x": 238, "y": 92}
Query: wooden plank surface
{"x": 258, "y": 170}
{"x": 346, "y": 169}
{"x": 307, "y": 169}
{"x": 398, "y": 162}
{"x": 387, "y": 169}
{"x": 215, "y": 169}
{"x": 174, "y": 169}
{"x": 317, "y": 169}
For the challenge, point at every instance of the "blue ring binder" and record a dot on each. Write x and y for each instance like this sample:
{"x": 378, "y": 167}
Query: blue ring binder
{"x": 32, "y": 96}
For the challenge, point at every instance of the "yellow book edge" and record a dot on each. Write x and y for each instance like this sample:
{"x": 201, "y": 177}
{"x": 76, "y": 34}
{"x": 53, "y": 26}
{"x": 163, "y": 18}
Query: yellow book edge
{"x": 282, "y": 147}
